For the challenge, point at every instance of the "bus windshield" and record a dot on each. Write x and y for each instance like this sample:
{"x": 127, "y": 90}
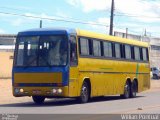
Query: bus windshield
{"x": 41, "y": 51}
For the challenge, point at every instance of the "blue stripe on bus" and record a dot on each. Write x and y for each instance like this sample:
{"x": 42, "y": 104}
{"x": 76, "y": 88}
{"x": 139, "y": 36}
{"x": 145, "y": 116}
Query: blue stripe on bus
{"x": 38, "y": 85}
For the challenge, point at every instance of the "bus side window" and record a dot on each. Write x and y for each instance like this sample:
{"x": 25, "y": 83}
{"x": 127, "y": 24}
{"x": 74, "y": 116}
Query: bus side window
{"x": 117, "y": 50}
{"x": 73, "y": 51}
{"x": 137, "y": 53}
{"x": 144, "y": 51}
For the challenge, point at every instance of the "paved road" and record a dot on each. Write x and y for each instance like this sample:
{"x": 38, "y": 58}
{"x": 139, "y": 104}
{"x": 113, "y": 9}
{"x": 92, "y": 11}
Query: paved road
{"x": 146, "y": 102}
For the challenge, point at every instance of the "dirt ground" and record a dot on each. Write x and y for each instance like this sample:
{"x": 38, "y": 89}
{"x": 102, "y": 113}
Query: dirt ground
{"x": 155, "y": 85}
{"x": 6, "y": 96}
{"x": 6, "y": 64}
{"x": 6, "y": 93}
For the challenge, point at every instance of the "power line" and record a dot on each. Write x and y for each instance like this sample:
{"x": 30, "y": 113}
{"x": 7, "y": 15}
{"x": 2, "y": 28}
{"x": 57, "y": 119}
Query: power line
{"x": 8, "y": 8}
{"x": 134, "y": 15}
{"x": 132, "y": 31}
{"x": 151, "y": 17}
{"x": 57, "y": 16}
{"x": 15, "y": 9}
{"x": 52, "y": 19}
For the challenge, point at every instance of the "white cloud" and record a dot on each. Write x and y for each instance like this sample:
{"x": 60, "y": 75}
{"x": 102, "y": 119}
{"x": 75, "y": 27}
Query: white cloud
{"x": 90, "y": 5}
{"x": 2, "y": 31}
{"x": 74, "y": 3}
{"x": 62, "y": 14}
{"x": 142, "y": 9}
{"x": 147, "y": 20}
{"x": 131, "y": 7}
{"x": 99, "y": 28}
{"x": 17, "y": 22}
{"x": 104, "y": 20}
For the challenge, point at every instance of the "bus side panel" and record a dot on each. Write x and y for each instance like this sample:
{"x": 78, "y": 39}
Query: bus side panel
{"x": 73, "y": 82}
{"x": 108, "y": 77}
{"x": 103, "y": 80}
{"x": 143, "y": 77}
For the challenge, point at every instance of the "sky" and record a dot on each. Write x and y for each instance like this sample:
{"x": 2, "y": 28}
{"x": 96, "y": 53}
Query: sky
{"x": 94, "y": 15}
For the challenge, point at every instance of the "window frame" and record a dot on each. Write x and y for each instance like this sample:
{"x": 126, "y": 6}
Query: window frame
{"x": 122, "y": 50}
{"x": 76, "y": 53}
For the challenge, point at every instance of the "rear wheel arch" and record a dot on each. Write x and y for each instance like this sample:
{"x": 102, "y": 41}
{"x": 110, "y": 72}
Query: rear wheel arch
{"x": 136, "y": 80}
{"x": 134, "y": 88}
{"x": 126, "y": 92}
{"x": 129, "y": 81}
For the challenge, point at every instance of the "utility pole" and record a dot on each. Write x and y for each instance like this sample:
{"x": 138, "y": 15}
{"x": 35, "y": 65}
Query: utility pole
{"x": 145, "y": 32}
{"x": 40, "y": 24}
{"x": 126, "y": 32}
{"x": 111, "y": 18}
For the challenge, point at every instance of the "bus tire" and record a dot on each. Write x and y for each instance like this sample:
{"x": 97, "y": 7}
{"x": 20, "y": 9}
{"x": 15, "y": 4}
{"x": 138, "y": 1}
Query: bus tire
{"x": 38, "y": 99}
{"x": 84, "y": 94}
{"x": 134, "y": 89}
{"x": 127, "y": 90}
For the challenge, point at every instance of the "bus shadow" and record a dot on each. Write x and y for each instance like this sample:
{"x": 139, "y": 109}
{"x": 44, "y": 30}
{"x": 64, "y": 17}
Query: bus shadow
{"x": 65, "y": 102}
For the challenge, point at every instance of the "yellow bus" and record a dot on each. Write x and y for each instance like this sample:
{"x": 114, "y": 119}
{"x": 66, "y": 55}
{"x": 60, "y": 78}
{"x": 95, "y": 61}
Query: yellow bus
{"x": 56, "y": 63}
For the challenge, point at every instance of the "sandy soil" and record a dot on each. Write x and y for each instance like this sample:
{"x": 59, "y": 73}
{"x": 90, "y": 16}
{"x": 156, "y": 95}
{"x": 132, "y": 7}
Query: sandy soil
{"x": 5, "y": 64}
{"x": 6, "y": 96}
{"x": 155, "y": 85}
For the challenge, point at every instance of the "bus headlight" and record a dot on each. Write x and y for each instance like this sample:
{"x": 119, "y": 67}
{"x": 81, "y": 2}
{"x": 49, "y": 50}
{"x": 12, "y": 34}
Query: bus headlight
{"x": 59, "y": 91}
{"x": 16, "y": 90}
{"x": 21, "y": 90}
{"x": 54, "y": 91}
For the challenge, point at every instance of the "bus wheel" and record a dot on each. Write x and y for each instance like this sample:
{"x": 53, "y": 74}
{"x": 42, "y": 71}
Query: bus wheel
{"x": 84, "y": 96}
{"x": 126, "y": 91}
{"x": 38, "y": 99}
{"x": 134, "y": 89}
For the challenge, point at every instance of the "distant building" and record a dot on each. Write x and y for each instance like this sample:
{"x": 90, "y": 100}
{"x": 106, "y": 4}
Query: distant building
{"x": 154, "y": 46}
{"x": 155, "y": 52}
{"x": 7, "y": 42}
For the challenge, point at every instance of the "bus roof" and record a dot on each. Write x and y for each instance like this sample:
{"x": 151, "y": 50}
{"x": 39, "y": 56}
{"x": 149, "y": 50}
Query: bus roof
{"x": 41, "y": 31}
{"x": 110, "y": 38}
{"x": 85, "y": 33}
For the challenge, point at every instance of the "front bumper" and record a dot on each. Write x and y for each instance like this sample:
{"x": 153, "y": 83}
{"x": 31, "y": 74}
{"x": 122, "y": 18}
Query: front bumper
{"x": 39, "y": 91}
